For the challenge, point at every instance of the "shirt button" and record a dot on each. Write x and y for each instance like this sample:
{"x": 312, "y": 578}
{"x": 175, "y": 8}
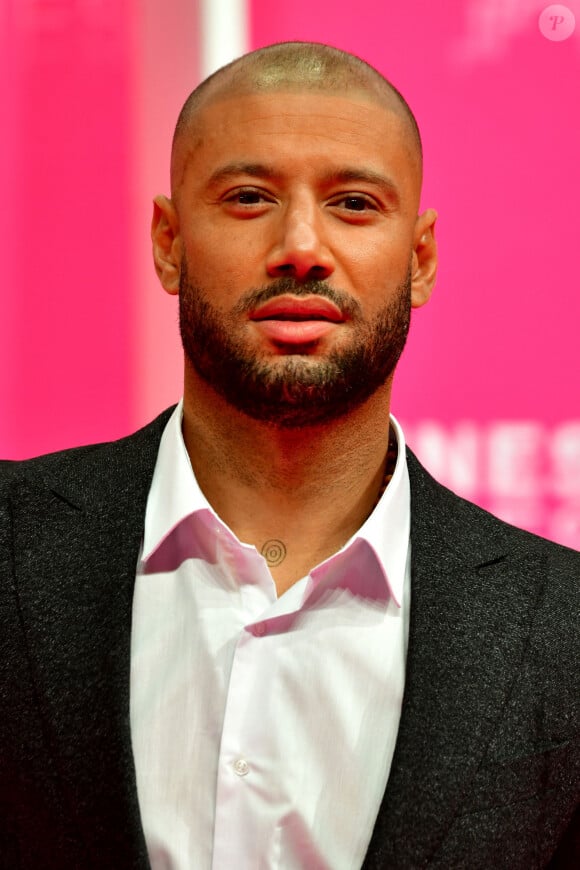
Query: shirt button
{"x": 241, "y": 767}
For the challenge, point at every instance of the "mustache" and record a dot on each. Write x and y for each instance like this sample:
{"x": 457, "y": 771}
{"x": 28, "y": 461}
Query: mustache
{"x": 282, "y": 286}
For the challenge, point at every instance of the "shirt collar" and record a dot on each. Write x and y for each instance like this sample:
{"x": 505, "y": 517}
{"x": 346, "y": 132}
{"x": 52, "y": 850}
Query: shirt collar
{"x": 175, "y": 495}
{"x": 386, "y": 531}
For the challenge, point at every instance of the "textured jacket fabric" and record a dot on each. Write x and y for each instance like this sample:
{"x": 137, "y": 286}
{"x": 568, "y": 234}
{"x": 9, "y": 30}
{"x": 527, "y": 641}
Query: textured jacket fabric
{"x": 486, "y": 769}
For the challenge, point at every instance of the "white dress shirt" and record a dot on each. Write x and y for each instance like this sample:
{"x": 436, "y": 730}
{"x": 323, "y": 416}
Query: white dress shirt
{"x": 263, "y": 728}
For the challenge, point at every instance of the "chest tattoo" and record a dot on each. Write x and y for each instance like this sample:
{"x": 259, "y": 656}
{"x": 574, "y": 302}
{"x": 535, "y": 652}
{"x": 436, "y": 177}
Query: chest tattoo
{"x": 274, "y": 552}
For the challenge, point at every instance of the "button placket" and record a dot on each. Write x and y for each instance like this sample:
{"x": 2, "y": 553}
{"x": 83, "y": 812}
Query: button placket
{"x": 241, "y": 767}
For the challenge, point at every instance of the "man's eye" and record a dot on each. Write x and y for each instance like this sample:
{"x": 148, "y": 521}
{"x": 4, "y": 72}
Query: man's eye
{"x": 356, "y": 203}
{"x": 247, "y": 197}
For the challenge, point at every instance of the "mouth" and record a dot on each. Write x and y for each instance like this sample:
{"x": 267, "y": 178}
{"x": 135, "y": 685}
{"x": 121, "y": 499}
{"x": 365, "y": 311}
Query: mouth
{"x": 289, "y": 308}
{"x": 287, "y": 320}
{"x": 294, "y": 317}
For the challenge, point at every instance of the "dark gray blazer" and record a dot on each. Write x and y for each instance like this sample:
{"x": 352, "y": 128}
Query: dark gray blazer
{"x": 487, "y": 763}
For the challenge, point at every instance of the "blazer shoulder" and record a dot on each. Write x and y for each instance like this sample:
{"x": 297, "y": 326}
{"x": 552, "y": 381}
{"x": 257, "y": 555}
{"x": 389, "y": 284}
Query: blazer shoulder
{"x": 88, "y": 461}
{"x": 463, "y": 523}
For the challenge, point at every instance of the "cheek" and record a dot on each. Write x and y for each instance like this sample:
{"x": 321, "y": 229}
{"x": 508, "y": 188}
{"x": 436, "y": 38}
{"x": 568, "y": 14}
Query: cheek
{"x": 224, "y": 275}
{"x": 384, "y": 247}
{"x": 378, "y": 267}
{"x": 379, "y": 277}
{"x": 225, "y": 251}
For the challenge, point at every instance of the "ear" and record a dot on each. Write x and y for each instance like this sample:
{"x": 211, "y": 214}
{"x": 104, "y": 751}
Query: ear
{"x": 424, "y": 259}
{"x": 166, "y": 244}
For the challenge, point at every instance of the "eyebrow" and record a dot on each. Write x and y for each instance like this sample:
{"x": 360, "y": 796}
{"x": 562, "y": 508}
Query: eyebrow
{"x": 345, "y": 174}
{"x": 366, "y": 176}
{"x": 232, "y": 170}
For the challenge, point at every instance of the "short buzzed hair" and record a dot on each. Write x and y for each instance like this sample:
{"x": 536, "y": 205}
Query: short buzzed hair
{"x": 298, "y": 66}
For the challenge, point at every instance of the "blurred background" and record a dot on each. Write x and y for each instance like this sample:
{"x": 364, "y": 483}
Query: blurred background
{"x": 489, "y": 386}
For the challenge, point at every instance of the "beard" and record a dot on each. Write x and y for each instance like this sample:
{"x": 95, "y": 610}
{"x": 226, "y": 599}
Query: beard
{"x": 299, "y": 389}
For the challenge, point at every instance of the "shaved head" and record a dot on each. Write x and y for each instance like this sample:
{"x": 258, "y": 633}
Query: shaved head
{"x": 289, "y": 66}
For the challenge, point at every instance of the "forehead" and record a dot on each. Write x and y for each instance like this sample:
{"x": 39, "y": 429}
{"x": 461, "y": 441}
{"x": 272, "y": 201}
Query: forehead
{"x": 300, "y": 133}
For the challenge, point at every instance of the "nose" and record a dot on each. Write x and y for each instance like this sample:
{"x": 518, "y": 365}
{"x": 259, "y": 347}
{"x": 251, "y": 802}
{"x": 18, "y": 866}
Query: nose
{"x": 300, "y": 251}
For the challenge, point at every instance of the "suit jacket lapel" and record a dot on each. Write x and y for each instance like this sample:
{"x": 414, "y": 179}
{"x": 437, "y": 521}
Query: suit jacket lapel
{"x": 471, "y": 608}
{"x": 76, "y": 542}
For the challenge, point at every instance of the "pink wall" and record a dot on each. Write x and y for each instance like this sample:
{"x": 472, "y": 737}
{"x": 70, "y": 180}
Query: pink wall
{"x": 66, "y": 311}
{"x": 89, "y": 347}
{"x": 488, "y": 389}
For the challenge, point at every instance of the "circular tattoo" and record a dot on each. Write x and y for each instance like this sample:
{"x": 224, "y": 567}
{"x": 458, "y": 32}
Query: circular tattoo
{"x": 273, "y": 552}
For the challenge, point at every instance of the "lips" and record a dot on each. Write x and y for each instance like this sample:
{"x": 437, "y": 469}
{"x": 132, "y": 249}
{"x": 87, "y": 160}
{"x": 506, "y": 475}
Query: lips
{"x": 287, "y": 320}
{"x": 286, "y": 308}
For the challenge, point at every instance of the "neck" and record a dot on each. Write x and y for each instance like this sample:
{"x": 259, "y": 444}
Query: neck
{"x": 309, "y": 488}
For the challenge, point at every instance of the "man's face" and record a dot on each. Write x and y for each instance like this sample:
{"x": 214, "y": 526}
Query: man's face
{"x": 297, "y": 223}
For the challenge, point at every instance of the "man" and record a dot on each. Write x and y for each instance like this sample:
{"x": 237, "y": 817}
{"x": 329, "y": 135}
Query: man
{"x": 257, "y": 633}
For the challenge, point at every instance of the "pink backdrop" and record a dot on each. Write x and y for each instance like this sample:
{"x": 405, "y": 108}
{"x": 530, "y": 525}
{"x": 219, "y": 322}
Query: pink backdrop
{"x": 488, "y": 388}
{"x": 65, "y": 151}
